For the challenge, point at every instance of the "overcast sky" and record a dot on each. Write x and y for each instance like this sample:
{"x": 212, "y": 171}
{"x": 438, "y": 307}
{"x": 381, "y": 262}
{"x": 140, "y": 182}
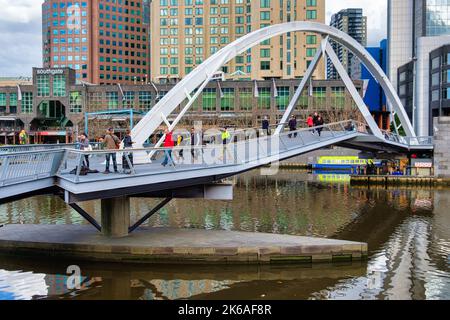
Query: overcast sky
{"x": 20, "y": 30}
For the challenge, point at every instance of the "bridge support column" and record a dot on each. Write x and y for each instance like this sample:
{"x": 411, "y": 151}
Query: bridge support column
{"x": 115, "y": 217}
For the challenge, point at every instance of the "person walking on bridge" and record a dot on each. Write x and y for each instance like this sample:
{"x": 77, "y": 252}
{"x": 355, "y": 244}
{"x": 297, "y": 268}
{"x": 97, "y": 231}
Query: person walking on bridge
{"x": 112, "y": 142}
{"x": 127, "y": 158}
{"x": 266, "y": 125}
{"x": 196, "y": 141}
{"x": 226, "y": 136}
{"x": 310, "y": 123}
{"x": 293, "y": 126}
{"x": 319, "y": 124}
{"x": 315, "y": 116}
{"x": 168, "y": 144}
{"x": 85, "y": 146}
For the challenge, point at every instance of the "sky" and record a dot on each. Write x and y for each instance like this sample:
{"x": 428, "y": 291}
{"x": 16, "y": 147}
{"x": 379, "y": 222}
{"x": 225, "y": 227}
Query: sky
{"x": 20, "y": 31}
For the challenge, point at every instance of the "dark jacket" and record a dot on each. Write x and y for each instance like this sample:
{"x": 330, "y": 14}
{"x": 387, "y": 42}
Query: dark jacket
{"x": 315, "y": 120}
{"x": 127, "y": 142}
{"x": 293, "y": 124}
{"x": 265, "y": 124}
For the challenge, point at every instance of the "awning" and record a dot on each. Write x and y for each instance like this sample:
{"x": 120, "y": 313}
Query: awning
{"x": 8, "y": 119}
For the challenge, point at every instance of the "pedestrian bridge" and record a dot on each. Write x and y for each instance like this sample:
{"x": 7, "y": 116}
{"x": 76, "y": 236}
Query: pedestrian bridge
{"x": 199, "y": 172}
{"x": 57, "y": 168}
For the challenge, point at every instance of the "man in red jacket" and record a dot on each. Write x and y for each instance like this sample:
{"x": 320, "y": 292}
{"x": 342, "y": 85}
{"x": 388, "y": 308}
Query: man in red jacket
{"x": 168, "y": 143}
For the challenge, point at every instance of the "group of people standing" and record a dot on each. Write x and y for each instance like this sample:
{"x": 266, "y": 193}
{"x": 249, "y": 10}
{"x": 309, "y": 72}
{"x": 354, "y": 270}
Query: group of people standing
{"x": 110, "y": 142}
{"x": 313, "y": 121}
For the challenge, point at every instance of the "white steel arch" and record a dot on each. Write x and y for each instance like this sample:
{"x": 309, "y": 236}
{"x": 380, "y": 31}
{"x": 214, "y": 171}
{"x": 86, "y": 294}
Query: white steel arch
{"x": 200, "y": 76}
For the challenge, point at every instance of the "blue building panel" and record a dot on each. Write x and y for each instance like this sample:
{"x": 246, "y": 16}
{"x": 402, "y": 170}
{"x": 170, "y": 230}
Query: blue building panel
{"x": 374, "y": 97}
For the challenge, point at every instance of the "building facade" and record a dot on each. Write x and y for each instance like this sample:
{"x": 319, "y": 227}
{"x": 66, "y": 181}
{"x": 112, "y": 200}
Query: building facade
{"x": 400, "y": 36}
{"x": 440, "y": 82}
{"x": 352, "y": 22}
{"x": 415, "y": 28}
{"x": 186, "y": 32}
{"x": 53, "y": 107}
{"x": 103, "y": 41}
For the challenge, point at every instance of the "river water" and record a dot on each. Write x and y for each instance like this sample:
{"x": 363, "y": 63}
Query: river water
{"x": 407, "y": 230}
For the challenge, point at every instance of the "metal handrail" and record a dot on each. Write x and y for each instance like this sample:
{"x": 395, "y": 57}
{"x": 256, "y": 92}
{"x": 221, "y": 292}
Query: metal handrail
{"x": 175, "y": 148}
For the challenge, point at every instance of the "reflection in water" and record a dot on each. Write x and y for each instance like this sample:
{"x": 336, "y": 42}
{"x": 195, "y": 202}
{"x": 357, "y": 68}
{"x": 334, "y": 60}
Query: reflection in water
{"x": 17, "y": 285}
{"x": 407, "y": 232}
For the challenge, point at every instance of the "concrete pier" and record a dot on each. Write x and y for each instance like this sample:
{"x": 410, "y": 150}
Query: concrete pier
{"x": 168, "y": 245}
{"x": 115, "y": 214}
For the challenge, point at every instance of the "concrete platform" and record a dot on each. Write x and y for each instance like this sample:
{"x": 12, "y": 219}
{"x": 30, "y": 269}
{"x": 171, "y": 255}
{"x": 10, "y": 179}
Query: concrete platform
{"x": 168, "y": 245}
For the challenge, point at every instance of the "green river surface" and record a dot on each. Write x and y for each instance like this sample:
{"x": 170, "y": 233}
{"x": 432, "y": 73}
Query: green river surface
{"x": 407, "y": 230}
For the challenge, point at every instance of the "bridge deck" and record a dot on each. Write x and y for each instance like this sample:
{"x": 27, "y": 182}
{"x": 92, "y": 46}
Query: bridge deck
{"x": 167, "y": 245}
{"x": 188, "y": 163}
{"x": 20, "y": 172}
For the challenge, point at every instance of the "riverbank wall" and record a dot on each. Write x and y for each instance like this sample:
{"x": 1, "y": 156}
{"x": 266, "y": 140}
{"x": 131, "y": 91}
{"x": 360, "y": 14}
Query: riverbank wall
{"x": 406, "y": 181}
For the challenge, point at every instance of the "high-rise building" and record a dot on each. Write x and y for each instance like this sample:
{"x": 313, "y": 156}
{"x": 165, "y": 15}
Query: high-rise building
{"x": 105, "y": 41}
{"x": 415, "y": 28}
{"x": 352, "y": 22}
{"x": 186, "y": 32}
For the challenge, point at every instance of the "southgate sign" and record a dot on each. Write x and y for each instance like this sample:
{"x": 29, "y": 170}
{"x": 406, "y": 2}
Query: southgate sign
{"x": 50, "y": 71}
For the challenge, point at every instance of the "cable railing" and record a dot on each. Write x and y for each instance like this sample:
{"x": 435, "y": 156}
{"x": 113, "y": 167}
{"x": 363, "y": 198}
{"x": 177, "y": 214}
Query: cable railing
{"x": 27, "y": 166}
{"x": 246, "y": 148}
{"x": 244, "y": 151}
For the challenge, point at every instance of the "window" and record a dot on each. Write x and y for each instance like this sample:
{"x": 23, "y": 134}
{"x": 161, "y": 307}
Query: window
{"x": 128, "y": 99}
{"x": 112, "y": 99}
{"x": 302, "y": 102}
{"x": 435, "y": 95}
{"x": 246, "y": 99}
{"x": 227, "y": 100}
{"x": 265, "y": 53}
{"x": 282, "y": 101}
{"x": 265, "y": 15}
{"x": 435, "y": 63}
{"x": 311, "y": 39}
{"x": 145, "y": 100}
{"x": 76, "y": 102}
{"x": 209, "y": 99}
{"x": 338, "y": 97}
{"x": 435, "y": 79}
{"x": 265, "y": 65}
{"x": 59, "y": 86}
{"x": 95, "y": 101}
{"x": 319, "y": 97}
{"x": 43, "y": 86}
{"x": 311, "y": 52}
{"x": 265, "y": 3}
{"x": 2, "y": 102}
{"x": 27, "y": 102}
{"x": 264, "y": 98}
{"x": 311, "y": 14}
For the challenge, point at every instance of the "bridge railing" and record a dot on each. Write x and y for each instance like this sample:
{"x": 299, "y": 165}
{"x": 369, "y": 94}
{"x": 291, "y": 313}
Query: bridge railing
{"x": 39, "y": 147}
{"x": 393, "y": 137}
{"x": 244, "y": 147}
{"x": 28, "y": 166}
